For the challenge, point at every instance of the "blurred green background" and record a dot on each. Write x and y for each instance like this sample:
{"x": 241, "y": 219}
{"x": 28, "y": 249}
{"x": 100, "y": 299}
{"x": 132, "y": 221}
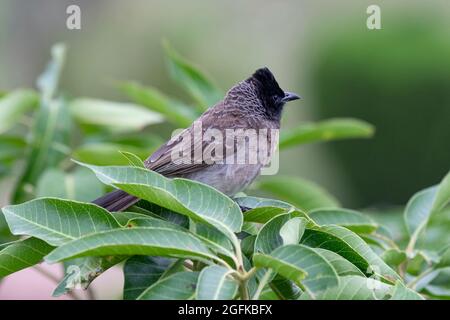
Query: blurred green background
{"x": 397, "y": 78}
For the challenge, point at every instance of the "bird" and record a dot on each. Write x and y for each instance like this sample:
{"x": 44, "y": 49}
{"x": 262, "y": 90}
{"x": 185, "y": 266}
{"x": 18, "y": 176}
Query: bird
{"x": 252, "y": 105}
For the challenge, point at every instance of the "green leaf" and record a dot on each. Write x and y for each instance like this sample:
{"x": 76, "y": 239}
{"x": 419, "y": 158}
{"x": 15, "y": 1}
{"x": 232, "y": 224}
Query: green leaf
{"x": 342, "y": 266}
{"x": 256, "y": 202}
{"x": 179, "y": 286}
{"x": 133, "y": 159}
{"x": 422, "y": 206}
{"x": 353, "y": 288}
{"x": 134, "y": 241}
{"x": 22, "y": 254}
{"x": 192, "y": 79}
{"x": 195, "y": 200}
{"x": 263, "y": 214}
{"x": 215, "y": 239}
{"x": 351, "y": 247}
{"x": 13, "y": 106}
{"x": 353, "y": 220}
{"x": 262, "y": 209}
{"x": 332, "y": 129}
{"x": 99, "y": 153}
{"x": 80, "y": 185}
{"x": 114, "y": 116}
{"x": 269, "y": 237}
{"x": 443, "y": 194}
{"x": 304, "y": 194}
{"x": 51, "y": 129}
{"x": 292, "y": 231}
{"x": 444, "y": 260}
{"x": 248, "y": 245}
{"x": 284, "y": 288}
{"x": 394, "y": 257}
{"x": 302, "y": 265}
{"x": 174, "y": 111}
{"x": 131, "y": 219}
{"x": 216, "y": 283}
{"x": 57, "y": 221}
{"x": 418, "y": 210}
{"x": 400, "y": 292}
{"x": 140, "y": 272}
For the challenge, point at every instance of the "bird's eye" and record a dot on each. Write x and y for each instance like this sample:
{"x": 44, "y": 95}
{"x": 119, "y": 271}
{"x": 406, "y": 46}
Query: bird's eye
{"x": 274, "y": 98}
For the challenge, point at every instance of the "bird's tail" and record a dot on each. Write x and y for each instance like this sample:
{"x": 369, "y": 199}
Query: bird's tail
{"x": 117, "y": 200}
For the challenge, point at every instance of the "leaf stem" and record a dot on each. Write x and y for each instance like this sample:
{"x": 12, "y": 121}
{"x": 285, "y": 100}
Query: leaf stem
{"x": 262, "y": 284}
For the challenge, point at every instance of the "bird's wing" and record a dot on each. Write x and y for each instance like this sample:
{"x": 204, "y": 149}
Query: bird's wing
{"x": 162, "y": 160}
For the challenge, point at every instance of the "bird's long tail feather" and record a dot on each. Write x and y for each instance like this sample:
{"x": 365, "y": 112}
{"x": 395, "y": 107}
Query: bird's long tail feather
{"x": 117, "y": 200}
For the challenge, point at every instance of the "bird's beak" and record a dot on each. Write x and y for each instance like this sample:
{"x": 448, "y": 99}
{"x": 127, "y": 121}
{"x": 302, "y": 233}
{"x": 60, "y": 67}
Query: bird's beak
{"x": 289, "y": 96}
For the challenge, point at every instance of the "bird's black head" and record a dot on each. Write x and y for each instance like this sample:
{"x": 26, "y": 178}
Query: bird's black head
{"x": 270, "y": 93}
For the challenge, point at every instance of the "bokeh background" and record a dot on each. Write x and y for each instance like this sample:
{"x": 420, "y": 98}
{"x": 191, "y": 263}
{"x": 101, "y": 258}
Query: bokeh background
{"x": 397, "y": 78}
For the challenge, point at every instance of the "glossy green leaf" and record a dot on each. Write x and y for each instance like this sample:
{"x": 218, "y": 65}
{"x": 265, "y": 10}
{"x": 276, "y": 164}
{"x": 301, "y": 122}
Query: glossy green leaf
{"x": 342, "y": 266}
{"x": 198, "y": 201}
{"x": 263, "y": 214}
{"x": 57, "y": 221}
{"x": 192, "y": 79}
{"x": 304, "y": 194}
{"x": 216, "y": 283}
{"x": 13, "y": 106}
{"x": 443, "y": 194}
{"x": 179, "y": 286}
{"x": 354, "y": 288}
{"x": 332, "y": 129}
{"x": 292, "y": 231}
{"x": 114, "y": 116}
{"x": 149, "y": 97}
{"x": 139, "y": 220}
{"x": 285, "y": 289}
{"x": 140, "y": 272}
{"x": 394, "y": 257}
{"x": 400, "y": 292}
{"x": 444, "y": 260}
{"x": 248, "y": 245}
{"x": 422, "y": 206}
{"x": 269, "y": 238}
{"x": 133, "y": 241}
{"x": 353, "y": 220}
{"x": 216, "y": 240}
{"x": 22, "y": 254}
{"x": 261, "y": 210}
{"x": 351, "y": 247}
{"x": 258, "y": 202}
{"x": 301, "y": 264}
{"x": 133, "y": 159}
